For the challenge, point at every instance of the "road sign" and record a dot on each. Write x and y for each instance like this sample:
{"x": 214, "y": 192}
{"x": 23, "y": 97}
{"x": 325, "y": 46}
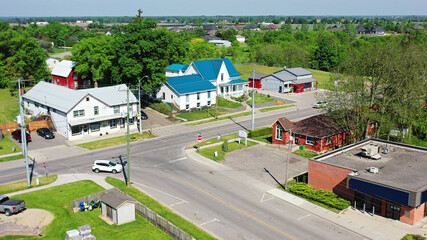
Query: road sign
{"x": 44, "y": 165}
{"x": 199, "y": 138}
{"x": 243, "y": 135}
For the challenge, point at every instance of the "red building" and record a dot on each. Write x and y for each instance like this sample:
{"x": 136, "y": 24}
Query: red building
{"x": 63, "y": 75}
{"x": 257, "y": 79}
{"x": 377, "y": 176}
{"x": 318, "y": 133}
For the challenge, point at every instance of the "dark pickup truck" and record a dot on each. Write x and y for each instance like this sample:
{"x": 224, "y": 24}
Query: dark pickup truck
{"x": 11, "y": 206}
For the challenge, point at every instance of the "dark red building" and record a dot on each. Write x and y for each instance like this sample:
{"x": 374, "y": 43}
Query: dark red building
{"x": 257, "y": 79}
{"x": 63, "y": 74}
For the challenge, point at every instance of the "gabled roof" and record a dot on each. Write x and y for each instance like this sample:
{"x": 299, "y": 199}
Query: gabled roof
{"x": 112, "y": 95}
{"x": 189, "y": 84}
{"x": 285, "y": 123}
{"x": 317, "y": 126}
{"x": 63, "y": 69}
{"x": 209, "y": 69}
{"x": 284, "y": 76}
{"x": 299, "y": 71}
{"x": 177, "y": 67}
{"x": 360, "y": 29}
{"x": 257, "y": 76}
{"x": 115, "y": 198}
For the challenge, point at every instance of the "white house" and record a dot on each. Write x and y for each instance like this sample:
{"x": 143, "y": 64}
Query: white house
{"x": 289, "y": 80}
{"x": 197, "y": 86}
{"x": 240, "y": 38}
{"x": 85, "y": 112}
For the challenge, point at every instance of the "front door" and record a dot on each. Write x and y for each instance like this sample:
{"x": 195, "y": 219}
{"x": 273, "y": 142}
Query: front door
{"x": 393, "y": 210}
{"x": 280, "y": 89}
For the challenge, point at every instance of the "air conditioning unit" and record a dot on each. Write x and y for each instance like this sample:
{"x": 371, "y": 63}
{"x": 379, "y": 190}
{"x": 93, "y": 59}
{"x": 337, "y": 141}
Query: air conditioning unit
{"x": 371, "y": 151}
{"x": 373, "y": 170}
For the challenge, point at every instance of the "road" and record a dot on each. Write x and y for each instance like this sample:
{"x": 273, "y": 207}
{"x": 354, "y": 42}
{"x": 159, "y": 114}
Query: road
{"x": 223, "y": 202}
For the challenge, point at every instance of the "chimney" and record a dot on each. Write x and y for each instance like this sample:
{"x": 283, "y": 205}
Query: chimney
{"x": 95, "y": 84}
{"x": 284, "y": 67}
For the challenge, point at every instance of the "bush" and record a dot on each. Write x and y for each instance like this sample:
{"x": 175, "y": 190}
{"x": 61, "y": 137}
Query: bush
{"x": 260, "y": 132}
{"x": 225, "y": 145}
{"x": 241, "y": 98}
{"x": 323, "y": 196}
{"x": 162, "y": 108}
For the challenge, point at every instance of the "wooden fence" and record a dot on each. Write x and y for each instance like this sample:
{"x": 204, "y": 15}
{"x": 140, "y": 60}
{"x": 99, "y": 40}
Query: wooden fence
{"x": 8, "y": 128}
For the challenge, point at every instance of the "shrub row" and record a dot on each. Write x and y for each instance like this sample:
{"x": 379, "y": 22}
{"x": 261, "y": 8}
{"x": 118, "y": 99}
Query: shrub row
{"x": 162, "y": 107}
{"x": 325, "y": 197}
{"x": 260, "y": 132}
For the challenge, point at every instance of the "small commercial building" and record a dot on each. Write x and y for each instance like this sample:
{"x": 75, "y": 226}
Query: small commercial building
{"x": 289, "y": 80}
{"x": 117, "y": 206}
{"x": 377, "y": 176}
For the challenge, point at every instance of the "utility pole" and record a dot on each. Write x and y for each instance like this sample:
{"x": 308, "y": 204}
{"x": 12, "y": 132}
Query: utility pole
{"x": 217, "y": 86}
{"x": 287, "y": 159}
{"x": 253, "y": 100}
{"x": 21, "y": 119}
{"x": 128, "y": 137}
{"x": 139, "y": 100}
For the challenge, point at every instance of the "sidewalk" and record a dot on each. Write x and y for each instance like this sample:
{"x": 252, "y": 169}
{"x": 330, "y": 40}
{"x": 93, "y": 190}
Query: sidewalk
{"x": 68, "y": 178}
{"x": 370, "y": 227}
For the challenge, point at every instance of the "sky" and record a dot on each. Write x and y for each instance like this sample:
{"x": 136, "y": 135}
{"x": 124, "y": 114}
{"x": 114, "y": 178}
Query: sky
{"x": 45, "y": 8}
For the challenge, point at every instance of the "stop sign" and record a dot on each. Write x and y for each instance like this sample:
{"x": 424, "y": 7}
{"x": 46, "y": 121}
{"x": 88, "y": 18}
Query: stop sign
{"x": 199, "y": 138}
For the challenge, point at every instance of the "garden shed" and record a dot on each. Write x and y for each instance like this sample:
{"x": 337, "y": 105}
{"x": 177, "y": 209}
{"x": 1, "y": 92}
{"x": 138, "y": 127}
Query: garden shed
{"x": 117, "y": 206}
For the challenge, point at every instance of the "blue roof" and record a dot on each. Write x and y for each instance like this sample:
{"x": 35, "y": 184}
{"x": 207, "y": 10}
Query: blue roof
{"x": 236, "y": 81}
{"x": 190, "y": 84}
{"x": 177, "y": 67}
{"x": 209, "y": 69}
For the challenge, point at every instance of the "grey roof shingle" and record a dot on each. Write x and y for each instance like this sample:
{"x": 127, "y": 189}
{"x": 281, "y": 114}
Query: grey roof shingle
{"x": 299, "y": 71}
{"x": 284, "y": 76}
{"x": 115, "y": 198}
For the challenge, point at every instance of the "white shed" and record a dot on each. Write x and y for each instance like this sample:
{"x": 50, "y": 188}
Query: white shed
{"x": 117, "y": 206}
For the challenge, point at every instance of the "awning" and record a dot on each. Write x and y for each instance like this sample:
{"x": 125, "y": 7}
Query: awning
{"x": 304, "y": 81}
{"x": 81, "y": 121}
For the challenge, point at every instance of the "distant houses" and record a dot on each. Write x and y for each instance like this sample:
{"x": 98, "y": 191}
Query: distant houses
{"x": 376, "y": 30}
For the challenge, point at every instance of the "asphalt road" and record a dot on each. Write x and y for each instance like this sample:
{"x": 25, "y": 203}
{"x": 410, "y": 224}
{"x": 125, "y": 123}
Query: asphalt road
{"x": 225, "y": 203}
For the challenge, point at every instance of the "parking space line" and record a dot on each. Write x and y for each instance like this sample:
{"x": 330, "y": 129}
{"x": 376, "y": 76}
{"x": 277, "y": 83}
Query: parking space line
{"x": 299, "y": 219}
{"x": 213, "y": 220}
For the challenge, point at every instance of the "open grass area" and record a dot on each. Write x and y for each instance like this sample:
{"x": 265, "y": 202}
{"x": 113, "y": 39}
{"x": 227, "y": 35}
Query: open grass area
{"x": 215, "y": 140}
{"x": 201, "y": 114}
{"x": 266, "y": 138}
{"x": 260, "y": 99}
{"x": 222, "y": 118}
{"x": 6, "y": 146}
{"x": 9, "y": 107}
{"x": 108, "y": 142}
{"x": 246, "y": 70}
{"x": 18, "y": 186}
{"x": 66, "y": 220}
{"x": 305, "y": 153}
{"x": 59, "y": 50}
{"x": 163, "y": 211}
{"x": 324, "y": 79}
{"x": 224, "y": 103}
{"x": 275, "y": 108}
{"x": 12, "y": 158}
{"x": 232, "y": 146}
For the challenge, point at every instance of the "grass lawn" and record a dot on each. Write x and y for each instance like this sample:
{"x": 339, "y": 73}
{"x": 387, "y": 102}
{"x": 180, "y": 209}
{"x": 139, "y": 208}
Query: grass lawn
{"x": 66, "y": 220}
{"x": 18, "y": 186}
{"x": 163, "y": 211}
{"x": 224, "y": 103}
{"x": 260, "y": 99}
{"x": 275, "y": 108}
{"x": 413, "y": 237}
{"x": 12, "y": 158}
{"x": 201, "y": 114}
{"x": 222, "y": 118}
{"x": 6, "y": 145}
{"x": 305, "y": 153}
{"x": 9, "y": 107}
{"x": 59, "y": 50}
{"x": 266, "y": 139}
{"x": 323, "y": 78}
{"x": 246, "y": 70}
{"x": 232, "y": 146}
{"x": 215, "y": 140}
{"x": 115, "y": 141}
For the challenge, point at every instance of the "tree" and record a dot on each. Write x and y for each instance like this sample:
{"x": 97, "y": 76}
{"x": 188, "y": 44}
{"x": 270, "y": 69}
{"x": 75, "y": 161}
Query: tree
{"x": 287, "y": 28}
{"x": 325, "y": 55}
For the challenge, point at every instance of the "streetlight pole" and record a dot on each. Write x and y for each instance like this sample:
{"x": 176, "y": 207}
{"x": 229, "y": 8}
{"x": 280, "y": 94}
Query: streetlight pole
{"x": 139, "y": 100}
{"x": 253, "y": 100}
{"x": 128, "y": 137}
{"x": 287, "y": 159}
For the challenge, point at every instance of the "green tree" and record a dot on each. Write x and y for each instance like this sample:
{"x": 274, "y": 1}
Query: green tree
{"x": 324, "y": 55}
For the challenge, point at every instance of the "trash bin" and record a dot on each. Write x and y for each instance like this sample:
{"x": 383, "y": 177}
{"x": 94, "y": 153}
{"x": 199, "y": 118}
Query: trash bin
{"x": 302, "y": 147}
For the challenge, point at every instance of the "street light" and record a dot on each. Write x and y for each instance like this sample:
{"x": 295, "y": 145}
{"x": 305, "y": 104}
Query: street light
{"x": 253, "y": 100}
{"x": 139, "y": 100}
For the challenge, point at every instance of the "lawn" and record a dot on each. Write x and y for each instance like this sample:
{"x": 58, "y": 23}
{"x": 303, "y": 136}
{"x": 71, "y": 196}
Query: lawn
{"x": 222, "y": 118}
{"x": 215, "y": 140}
{"x": 224, "y": 103}
{"x": 201, "y": 114}
{"x": 12, "y": 158}
{"x": 275, "y": 108}
{"x": 305, "y": 153}
{"x": 108, "y": 142}
{"x": 59, "y": 50}
{"x": 6, "y": 146}
{"x": 232, "y": 146}
{"x": 260, "y": 99}
{"x": 324, "y": 79}
{"x": 9, "y": 106}
{"x": 66, "y": 220}
{"x": 163, "y": 211}
{"x": 246, "y": 70}
{"x": 18, "y": 186}
{"x": 266, "y": 138}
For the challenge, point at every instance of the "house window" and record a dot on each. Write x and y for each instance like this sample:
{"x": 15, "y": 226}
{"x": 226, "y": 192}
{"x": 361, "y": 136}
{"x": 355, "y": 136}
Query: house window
{"x": 234, "y": 88}
{"x": 75, "y": 130}
{"x": 328, "y": 140}
{"x": 279, "y": 132}
{"x": 240, "y": 87}
{"x": 96, "y": 110}
{"x": 222, "y": 77}
{"x": 131, "y": 120}
{"x": 164, "y": 96}
{"x": 171, "y": 96}
{"x": 87, "y": 99}
{"x": 187, "y": 97}
{"x": 198, "y": 96}
{"x": 309, "y": 140}
{"x": 116, "y": 110}
{"x": 209, "y": 103}
{"x": 94, "y": 127}
{"x": 198, "y": 104}
{"x": 209, "y": 94}
{"x": 36, "y": 104}
{"x": 113, "y": 123}
{"x": 79, "y": 113}
{"x": 187, "y": 106}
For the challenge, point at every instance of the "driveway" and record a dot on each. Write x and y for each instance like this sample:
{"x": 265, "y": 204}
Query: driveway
{"x": 40, "y": 143}
{"x": 253, "y": 160}
{"x": 155, "y": 119}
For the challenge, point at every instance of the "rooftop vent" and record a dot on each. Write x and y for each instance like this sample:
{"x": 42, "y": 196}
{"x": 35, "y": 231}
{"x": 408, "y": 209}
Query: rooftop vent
{"x": 371, "y": 151}
{"x": 373, "y": 170}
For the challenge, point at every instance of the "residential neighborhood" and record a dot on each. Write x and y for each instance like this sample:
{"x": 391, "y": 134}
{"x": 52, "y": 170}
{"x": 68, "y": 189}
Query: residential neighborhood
{"x": 213, "y": 120}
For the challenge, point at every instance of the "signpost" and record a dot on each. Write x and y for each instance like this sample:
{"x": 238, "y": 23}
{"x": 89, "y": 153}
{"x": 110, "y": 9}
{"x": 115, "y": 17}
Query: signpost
{"x": 243, "y": 135}
{"x": 199, "y": 139}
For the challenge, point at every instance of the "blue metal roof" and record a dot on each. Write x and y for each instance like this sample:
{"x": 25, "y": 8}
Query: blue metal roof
{"x": 209, "y": 69}
{"x": 177, "y": 67}
{"x": 190, "y": 84}
{"x": 236, "y": 81}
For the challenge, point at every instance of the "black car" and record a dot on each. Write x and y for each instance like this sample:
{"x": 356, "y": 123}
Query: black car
{"x": 144, "y": 116}
{"x": 45, "y": 133}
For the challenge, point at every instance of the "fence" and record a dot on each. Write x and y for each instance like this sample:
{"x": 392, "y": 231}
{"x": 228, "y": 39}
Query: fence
{"x": 8, "y": 128}
{"x": 151, "y": 216}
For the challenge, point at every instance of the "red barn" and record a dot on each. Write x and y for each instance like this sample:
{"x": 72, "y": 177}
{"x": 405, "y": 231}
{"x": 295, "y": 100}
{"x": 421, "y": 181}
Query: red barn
{"x": 63, "y": 74}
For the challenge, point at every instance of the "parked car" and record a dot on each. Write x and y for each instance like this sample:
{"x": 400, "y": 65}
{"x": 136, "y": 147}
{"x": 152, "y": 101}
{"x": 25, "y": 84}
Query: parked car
{"x": 320, "y": 105}
{"x": 106, "y": 166}
{"x": 45, "y": 133}
{"x": 11, "y": 206}
{"x": 144, "y": 116}
{"x": 17, "y": 135}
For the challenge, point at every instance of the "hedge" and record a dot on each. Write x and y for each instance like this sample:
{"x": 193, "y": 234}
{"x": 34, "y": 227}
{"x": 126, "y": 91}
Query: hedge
{"x": 326, "y": 197}
{"x": 260, "y": 132}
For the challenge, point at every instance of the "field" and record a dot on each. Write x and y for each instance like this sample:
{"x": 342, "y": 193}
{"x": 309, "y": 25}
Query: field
{"x": 9, "y": 107}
